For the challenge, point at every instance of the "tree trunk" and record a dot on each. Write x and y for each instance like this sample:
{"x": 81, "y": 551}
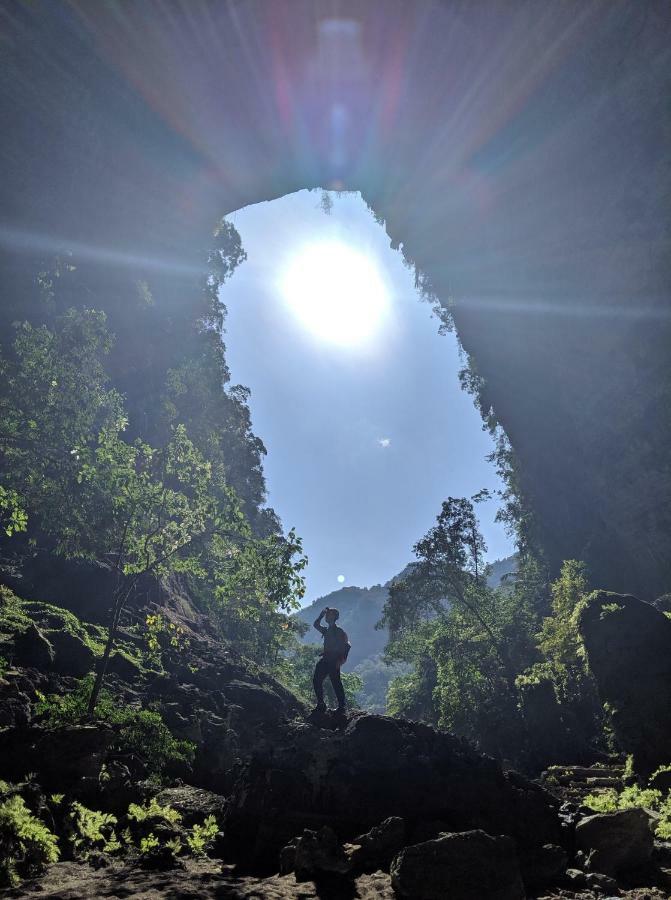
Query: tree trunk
{"x": 117, "y": 607}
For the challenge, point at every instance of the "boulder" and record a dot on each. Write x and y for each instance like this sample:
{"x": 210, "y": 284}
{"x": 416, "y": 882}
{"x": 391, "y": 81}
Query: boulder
{"x": 32, "y": 649}
{"x": 193, "y": 804}
{"x": 62, "y": 759}
{"x": 602, "y": 884}
{"x": 122, "y": 665}
{"x": 544, "y": 865}
{"x": 373, "y": 769}
{"x": 661, "y": 780}
{"x": 459, "y": 866}
{"x": 376, "y": 848}
{"x": 72, "y": 655}
{"x": 319, "y": 853}
{"x": 628, "y": 646}
{"x": 615, "y": 842}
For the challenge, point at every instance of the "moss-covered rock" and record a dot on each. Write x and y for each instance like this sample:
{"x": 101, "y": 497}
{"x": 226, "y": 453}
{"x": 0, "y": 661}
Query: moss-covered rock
{"x": 47, "y": 637}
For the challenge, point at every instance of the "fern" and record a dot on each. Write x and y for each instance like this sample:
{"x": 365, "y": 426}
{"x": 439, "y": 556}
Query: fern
{"x": 148, "y": 843}
{"x": 201, "y": 836}
{"x": 92, "y": 830}
{"x": 153, "y": 810}
{"x": 28, "y": 846}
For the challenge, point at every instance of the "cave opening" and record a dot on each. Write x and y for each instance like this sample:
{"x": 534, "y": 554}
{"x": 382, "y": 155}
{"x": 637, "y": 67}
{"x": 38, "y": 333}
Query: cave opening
{"x": 355, "y": 388}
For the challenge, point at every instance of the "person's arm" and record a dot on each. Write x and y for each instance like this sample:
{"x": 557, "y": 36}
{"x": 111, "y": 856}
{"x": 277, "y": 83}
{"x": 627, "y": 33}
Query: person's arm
{"x": 318, "y": 622}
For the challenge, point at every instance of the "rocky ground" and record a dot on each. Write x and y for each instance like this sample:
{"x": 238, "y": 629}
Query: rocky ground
{"x": 357, "y": 807}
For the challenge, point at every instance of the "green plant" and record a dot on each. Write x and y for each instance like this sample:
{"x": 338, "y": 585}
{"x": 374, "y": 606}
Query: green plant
{"x": 153, "y": 810}
{"x": 160, "y": 633}
{"x": 200, "y": 837}
{"x": 3, "y": 666}
{"x": 608, "y": 609}
{"x": 148, "y": 843}
{"x": 629, "y": 767}
{"x": 634, "y": 796}
{"x": 27, "y": 845}
{"x": 92, "y": 830}
{"x": 140, "y": 732}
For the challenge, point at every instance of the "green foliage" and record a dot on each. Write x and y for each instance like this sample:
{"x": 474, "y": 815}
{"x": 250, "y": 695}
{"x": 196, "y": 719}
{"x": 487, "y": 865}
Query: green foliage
{"x": 479, "y": 652}
{"x": 92, "y": 830}
{"x": 165, "y": 482}
{"x": 609, "y": 608}
{"x": 27, "y": 846}
{"x": 200, "y": 838}
{"x": 632, "y": 797}
{"x": 148, "y": 843}
{"x": 465, "y": 640}
{"x": 161, "y": 635}
{"x": 602, "y": 802}
{"x": 154, "y": 811}
{"x": 133, "y": 509}
{"x": 17, "y": 615}
{"x": 13, "y": 517}
{"x": 140, "y": 732}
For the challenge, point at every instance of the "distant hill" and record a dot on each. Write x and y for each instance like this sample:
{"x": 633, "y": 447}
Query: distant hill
{"x": 360, "y": 610}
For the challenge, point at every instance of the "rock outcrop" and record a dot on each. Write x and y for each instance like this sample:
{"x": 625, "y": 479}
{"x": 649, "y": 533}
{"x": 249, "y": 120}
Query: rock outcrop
{"x": 615, "y": 842}
{"x": 373, "y": 768}
{"x": 459, "y": 866}
{"x": 628, "y": 646}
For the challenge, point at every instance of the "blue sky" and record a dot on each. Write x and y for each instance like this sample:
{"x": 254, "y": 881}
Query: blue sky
{"x": 365, "y": 440}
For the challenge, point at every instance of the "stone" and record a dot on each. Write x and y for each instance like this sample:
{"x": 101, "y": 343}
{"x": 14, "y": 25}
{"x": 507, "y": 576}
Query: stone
{"x": 615, "y": 842}
{"x": 258, "y": 701}
{"x": 32, "y": 649}
{"x": 117, "y": 788}
{"x": 72, "y": 655}
{"x": 375, "y": 768}
{"x": 628, "y": 646}
{"x": 376, "y": 848}
{"x": 193, "y": 804}
{"x": 120, "y": 664}
{"x": 661, "y": 780}
{"x": 545, "y": 865}
{"x": 459, "y": 866}
{"x": 63, "y": 758}
{"x": 319, "y": 853}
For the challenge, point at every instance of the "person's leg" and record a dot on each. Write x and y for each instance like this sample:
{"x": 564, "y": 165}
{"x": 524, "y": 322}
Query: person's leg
{"x": 336, "y": 681}
{"x": 321, "y": 671}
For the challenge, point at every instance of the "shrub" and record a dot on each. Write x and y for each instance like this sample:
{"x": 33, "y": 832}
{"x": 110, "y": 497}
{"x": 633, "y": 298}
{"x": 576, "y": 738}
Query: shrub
{"x": 27, "y": 846}
{"x": 140, "y": 732}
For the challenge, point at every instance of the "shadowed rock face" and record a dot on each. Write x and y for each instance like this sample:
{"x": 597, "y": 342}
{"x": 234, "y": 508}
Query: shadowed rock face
{"x": 374, "y": 768}
{"x": 518, "y": 152}
{"x": 459, "y": 866}
{"x": 628, "y": 646}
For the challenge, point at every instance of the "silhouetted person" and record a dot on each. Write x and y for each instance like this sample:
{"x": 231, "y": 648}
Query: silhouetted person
{"x": 334, "y": 654}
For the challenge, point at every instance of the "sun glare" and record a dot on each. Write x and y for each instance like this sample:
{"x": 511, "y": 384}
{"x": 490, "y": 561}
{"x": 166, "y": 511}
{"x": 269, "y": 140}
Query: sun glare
{"x": 336, "y": 291}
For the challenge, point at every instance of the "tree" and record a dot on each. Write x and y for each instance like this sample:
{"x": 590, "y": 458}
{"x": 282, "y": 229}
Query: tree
{"x": 466, "y": 640}
{"x": 73, "y": 482}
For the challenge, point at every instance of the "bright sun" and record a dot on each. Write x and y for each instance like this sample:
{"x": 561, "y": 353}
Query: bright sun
{"x": 336, "y": 291}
